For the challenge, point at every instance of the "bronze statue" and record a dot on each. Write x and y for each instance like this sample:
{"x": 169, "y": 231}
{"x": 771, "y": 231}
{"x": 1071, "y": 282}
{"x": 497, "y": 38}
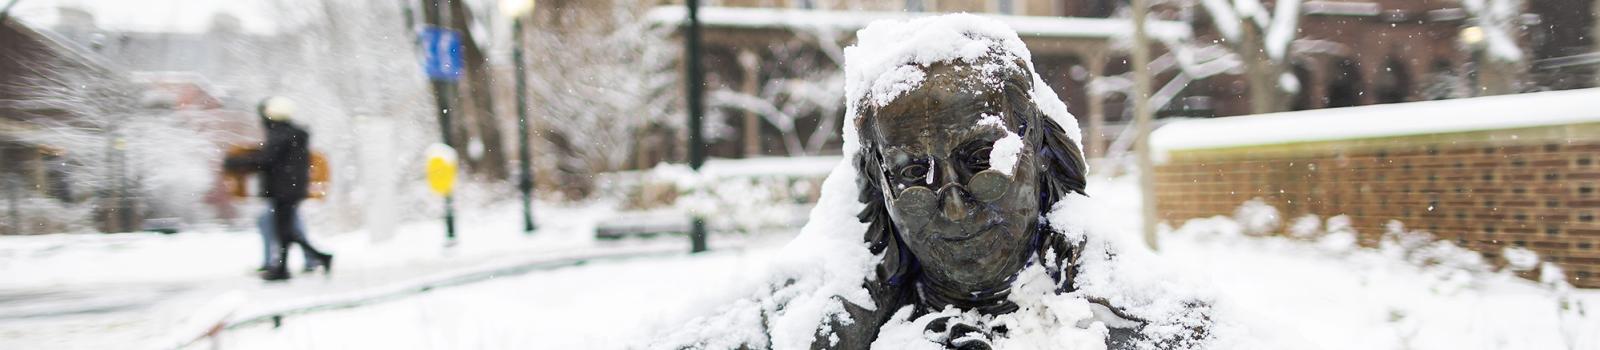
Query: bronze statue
{"x": 954, "y": 231}
{"x": 959, "y": 163}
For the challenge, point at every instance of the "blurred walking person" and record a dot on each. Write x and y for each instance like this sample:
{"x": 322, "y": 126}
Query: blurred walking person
{"x": 284, "y": 163}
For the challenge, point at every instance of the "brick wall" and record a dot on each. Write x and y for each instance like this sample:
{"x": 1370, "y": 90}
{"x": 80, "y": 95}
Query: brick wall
{"x": 1534, "y": 187}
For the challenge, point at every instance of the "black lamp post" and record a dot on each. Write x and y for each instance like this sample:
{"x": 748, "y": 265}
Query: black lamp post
{"x": 696, "y": 107}
{"x": 525, "y": 158}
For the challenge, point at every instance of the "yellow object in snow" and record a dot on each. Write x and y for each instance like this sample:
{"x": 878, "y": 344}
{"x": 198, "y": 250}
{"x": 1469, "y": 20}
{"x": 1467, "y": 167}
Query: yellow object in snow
{"x": 441, "y": 169}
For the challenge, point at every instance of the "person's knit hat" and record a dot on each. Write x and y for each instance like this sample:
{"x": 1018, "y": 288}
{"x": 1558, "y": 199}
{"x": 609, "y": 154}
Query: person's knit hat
{"x": 277, "y": 108}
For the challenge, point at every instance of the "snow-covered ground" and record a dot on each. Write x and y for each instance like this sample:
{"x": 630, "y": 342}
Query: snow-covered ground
{"x": 98, "y": 291}
{"x": 73, "y": 258}
{"x": 1317, "y": 292}
{"x": 599, "y": 306}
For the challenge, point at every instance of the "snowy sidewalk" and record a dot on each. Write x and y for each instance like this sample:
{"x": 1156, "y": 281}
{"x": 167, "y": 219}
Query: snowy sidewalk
{"x": 99, "y": 291}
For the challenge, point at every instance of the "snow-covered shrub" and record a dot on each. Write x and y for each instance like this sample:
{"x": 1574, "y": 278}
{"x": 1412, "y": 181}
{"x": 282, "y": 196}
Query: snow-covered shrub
{"x": 1305, "y": 226}
{"x": 1339, "y": 237}
{"x": 1520, "y": 259}
{"x": 1257, "y": 217}
{"x": 744, "y": 202}
{"x": 34, "y": 215}
{"x": 598, "y": 87}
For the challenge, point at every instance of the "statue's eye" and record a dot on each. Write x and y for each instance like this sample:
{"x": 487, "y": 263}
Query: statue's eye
{"x": 979, "y": 157}
{"x": 913, "y": 172}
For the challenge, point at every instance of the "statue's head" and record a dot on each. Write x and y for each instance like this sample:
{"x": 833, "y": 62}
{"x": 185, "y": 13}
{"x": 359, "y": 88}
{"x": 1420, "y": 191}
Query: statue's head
{"x": 958, "y": 173}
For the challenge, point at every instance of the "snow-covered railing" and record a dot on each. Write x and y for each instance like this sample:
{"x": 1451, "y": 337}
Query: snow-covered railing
{"x": 1026, "y": 26}
{"x": 1399, "y": 119}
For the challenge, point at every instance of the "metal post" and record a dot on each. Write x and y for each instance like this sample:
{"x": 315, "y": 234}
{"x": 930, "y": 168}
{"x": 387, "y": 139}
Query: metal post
{"x": 525, "y": 180}
{"x": 442, "y": 91}
{"x": 1142, "y": 117}
{"x": 13, "y": 192}
{"x": 696, "y": 106}
{"x": 125, "y": 211}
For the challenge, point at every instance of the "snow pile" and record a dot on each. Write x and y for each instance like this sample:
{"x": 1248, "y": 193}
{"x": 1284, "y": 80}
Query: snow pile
{"x": 1305, "y": 226}
{"x": 1520, "y": 259}
{"x": 1257, "y": 217}
{"x": 750, "y": 194}
{"x": 1411, "y": 291}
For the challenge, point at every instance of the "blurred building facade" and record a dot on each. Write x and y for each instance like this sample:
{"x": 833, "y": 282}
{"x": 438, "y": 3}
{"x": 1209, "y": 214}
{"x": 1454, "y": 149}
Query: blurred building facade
{"x": 1343, "y": 53}
{"x": 67, "y": 111}
{"x": 32, "y": 173}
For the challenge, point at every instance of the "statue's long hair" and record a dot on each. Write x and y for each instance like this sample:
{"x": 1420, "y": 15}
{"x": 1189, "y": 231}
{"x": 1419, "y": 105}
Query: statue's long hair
{"x": 1061, "y": 171}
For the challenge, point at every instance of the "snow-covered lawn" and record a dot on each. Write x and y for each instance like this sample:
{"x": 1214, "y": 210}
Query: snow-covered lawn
{"x": 1312, "y": 293}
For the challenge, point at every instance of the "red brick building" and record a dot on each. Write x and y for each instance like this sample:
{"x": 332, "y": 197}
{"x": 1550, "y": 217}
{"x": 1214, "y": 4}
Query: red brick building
{"x": 1484, "y": 173}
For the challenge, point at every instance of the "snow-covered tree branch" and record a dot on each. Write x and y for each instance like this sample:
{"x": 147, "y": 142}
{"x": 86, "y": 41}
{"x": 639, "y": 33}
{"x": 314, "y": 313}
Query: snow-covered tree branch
{"x": 595, "y": 88}
{"x": 1262, "y": 40}
{"x": 806, "y": 85}
{"x": 1498, "y": 20}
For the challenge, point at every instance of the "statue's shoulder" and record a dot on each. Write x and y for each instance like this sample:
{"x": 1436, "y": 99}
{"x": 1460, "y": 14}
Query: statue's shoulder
{"x": 861, "y": 329}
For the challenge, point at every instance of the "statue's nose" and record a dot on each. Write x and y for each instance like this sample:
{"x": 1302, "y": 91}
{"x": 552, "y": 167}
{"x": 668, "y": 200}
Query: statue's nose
{"x": 954, "y": 204}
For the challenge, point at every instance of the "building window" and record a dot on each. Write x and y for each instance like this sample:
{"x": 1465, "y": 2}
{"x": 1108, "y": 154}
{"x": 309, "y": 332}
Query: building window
{"x": 914, "y": 6}
{"x": 807, "y": 4}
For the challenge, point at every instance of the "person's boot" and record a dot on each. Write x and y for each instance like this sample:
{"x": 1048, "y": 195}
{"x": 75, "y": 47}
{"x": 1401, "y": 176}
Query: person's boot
{"x": 275, "y": 275}
{"x": 324, "y": 261}
{"x": 313, "y": 262}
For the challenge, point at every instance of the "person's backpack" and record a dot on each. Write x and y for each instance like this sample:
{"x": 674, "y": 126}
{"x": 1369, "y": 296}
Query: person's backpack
{"x": 237, "y": 183}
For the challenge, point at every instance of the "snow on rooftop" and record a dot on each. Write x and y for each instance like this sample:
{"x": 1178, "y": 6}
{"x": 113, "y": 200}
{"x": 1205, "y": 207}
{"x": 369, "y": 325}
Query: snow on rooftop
{"x": 1027, "y": 26}
{"x": 1399, "y": 119}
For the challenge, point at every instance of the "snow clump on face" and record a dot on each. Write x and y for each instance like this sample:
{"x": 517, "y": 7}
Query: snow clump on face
{"x": 1003, "y": 155}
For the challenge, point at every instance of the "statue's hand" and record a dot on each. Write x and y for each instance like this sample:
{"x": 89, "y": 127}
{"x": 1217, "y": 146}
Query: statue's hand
{"x": 961, "y": 335}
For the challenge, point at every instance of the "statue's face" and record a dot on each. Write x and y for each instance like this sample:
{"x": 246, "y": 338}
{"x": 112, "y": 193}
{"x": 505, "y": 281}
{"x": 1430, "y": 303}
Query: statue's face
{"x": 968, "y": 224}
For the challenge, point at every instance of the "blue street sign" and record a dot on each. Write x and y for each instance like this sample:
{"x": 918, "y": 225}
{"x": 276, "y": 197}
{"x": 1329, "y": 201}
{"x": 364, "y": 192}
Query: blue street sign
{"x": 442, "y": 48}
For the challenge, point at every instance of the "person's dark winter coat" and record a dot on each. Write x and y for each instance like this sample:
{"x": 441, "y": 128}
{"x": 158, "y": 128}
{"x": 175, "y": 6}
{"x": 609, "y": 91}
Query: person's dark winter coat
{"x": 284, "y": 162}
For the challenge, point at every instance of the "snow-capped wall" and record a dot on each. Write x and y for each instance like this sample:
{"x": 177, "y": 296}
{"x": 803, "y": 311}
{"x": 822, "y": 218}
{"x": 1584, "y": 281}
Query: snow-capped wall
{"x": 1487, "y": 173}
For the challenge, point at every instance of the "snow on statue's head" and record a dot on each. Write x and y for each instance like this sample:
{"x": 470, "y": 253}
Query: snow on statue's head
{"x": 960, "y": 152}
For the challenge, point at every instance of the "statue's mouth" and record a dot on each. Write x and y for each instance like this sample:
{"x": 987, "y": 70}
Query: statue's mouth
{"x": 968, "y": 234}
